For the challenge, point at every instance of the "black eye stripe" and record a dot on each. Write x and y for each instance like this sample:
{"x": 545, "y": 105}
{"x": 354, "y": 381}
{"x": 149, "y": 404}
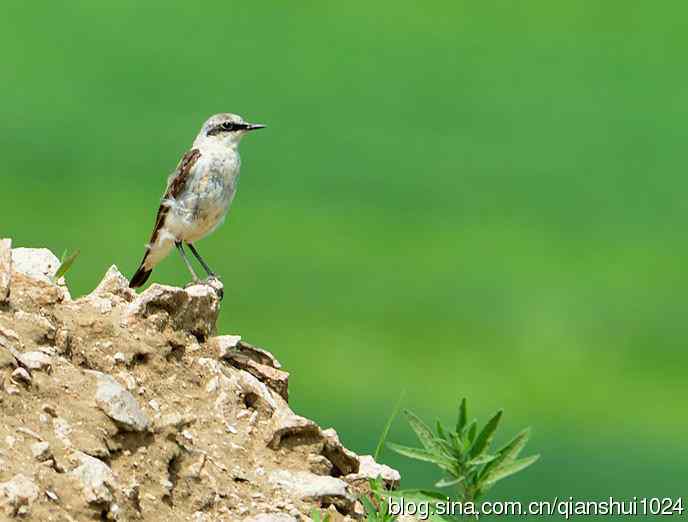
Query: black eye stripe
{"x": 227, "y": 126}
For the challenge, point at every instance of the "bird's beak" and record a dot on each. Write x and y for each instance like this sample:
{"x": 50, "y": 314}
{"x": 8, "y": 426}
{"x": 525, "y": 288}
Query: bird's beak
{"x": 254, "y": 126}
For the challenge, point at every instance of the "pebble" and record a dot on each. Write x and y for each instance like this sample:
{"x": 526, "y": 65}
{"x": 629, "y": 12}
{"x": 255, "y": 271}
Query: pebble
{"x": 20, "y": 375}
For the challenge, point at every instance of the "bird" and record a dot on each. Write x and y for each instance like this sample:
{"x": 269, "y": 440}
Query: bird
{"x": 198, "y": 195}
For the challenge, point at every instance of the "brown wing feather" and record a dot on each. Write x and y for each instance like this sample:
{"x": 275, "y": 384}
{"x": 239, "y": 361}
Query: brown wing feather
{"x": 175, "y": 185}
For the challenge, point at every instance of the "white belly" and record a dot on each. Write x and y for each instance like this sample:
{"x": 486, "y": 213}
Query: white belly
{"x": 200, "y": 208}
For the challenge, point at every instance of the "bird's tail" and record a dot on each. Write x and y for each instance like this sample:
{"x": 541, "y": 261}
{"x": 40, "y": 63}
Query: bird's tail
{"x": 142, "y": 274}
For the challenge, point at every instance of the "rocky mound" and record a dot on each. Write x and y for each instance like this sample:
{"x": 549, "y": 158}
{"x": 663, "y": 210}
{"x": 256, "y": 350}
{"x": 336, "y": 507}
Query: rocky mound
{"x": 119, "y": 406}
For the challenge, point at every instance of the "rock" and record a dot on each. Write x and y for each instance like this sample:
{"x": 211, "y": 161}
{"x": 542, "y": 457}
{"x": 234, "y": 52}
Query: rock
{"x": 186, "y": 420}
{"x": 5, "y": 269}
{"x": 9, "y": 337}
{"x": 31, "y": 285}
{"x": 18, "y": 493}
{"x": 319, "y": 465}
{"x": 119, "y": 404}
{"x": 224, "y": 343}
{"x": 37, "y": 263}
{"x": 41, "y": 451}
{"x": 307, "y": 486}
{"x": 273, "y": 378}
{"x": 255, "y": 393}
{"x": 285, "y": 423}
{"x": 41, "y": 328}
{"x": 260, "y": 355}
{"x": 7, "y": 360}
{"x": 174, "y": 420}
{"x": 271, "y": 517}
{"x": 346, "y": 461}
{"x": 96, "y": 478}
{"x": 115, "y": 284}
{"x": 194, "y": 309}
{"x": 369, "y": 469}
{"x": 20, "y": 375}
{"x": 63, "y": 341}
{"x": 10, "y": 389}
{"x": 229, "y": 345}
{"x": 36, "y": 361}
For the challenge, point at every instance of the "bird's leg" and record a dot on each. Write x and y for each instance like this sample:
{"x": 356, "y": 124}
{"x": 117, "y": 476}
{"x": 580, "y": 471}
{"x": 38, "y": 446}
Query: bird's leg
{"x": 216, "y": 284}
{"x": 203, "y": 263}
{"x": 180, "y": 247}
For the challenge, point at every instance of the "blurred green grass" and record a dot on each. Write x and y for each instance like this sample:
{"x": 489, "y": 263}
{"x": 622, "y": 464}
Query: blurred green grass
{"x": 454, "y": 198}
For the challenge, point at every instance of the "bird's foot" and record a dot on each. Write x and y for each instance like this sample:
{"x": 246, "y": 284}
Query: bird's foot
{"x": 212, "y": 281}
{"x": 215, "y": 283}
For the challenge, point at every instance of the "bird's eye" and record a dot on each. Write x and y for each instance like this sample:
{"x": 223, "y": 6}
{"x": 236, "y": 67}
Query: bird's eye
{"x": 228, "y": 125}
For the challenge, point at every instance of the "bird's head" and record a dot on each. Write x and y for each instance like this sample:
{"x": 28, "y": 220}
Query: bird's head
{"x": 225, "y": 129}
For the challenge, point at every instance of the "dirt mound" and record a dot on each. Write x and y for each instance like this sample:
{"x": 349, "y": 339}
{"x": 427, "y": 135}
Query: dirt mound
{"x": 118, "y": 406}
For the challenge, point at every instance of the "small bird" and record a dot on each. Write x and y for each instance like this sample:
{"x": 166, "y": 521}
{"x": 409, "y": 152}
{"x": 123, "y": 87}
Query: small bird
{"x": 198, "y": 195}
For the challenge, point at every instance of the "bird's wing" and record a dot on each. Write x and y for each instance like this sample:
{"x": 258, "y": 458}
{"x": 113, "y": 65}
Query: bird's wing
{"x": 175, "y": 185}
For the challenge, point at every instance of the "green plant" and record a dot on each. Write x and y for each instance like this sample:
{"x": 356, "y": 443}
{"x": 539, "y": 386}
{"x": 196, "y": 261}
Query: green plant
{"x": 375, "y": 504}
{"x": 66, "y": 263}
{"x": 465, "y": 455}
{"x": 317, "y": 517}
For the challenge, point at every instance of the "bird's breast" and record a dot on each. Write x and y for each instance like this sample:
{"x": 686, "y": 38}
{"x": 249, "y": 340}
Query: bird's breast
{"x": 213, "y": 183}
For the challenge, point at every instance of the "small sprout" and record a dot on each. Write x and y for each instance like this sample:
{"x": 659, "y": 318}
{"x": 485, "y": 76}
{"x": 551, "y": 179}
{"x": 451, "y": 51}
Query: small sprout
{"x": 65, "y": 264}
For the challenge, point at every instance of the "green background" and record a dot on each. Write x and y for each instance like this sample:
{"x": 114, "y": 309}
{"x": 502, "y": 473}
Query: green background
{"x": 452, "y": 198}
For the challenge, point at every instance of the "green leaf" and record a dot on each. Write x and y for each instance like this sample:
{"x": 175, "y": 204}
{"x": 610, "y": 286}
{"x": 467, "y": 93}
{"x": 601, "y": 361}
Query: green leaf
{"x": 484, "y": 439}
{"x": 469, "y": 433}
{"x": 509, "y": 452}
{"x": 448, "y": 449}
{"x": 447, "y": 482}
{"x": 440, "y": 431}
{"x": 456, "y": 442}
{"x": 507, "y": 470}
{"x": 370, "y": 509}
{"x": 424, "y": 455}
{"x": 482, "y": 459}
{"x": 424, "y": 434}
{"x": 515, "y": 446}
{"x": 65, "y": 265}
{"x": 461, "y": 422}
{"x": 428, "y": 494}
{"x": 385, "y": 431}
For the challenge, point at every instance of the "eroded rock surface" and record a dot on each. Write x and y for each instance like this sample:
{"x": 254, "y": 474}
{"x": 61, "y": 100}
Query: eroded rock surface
{"x": 125, "y": 406}
{"x": 5, "y": 268}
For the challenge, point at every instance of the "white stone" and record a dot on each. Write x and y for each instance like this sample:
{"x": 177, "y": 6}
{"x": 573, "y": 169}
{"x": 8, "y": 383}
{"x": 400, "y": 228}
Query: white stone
{"x": 369, "y": 469}
{"x": 308, "y": 486}
{"x": 37, "y": 263}
{"x": 41, "y": 451}
{"x": 20, "y": 375}
{"x": 285, "y": 422}
{"x": 225, "y": 343}
{"x": 18, "y": 492}
{"x": 97, "y": 479}
{"x": 115, "y": 284}
{"x": 119, "y": 404}
{"x": 36, "y": 361}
